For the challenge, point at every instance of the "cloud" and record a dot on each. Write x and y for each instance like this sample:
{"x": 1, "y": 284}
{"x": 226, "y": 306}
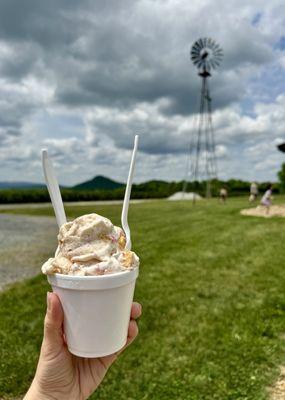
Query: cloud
{"x": 123, "y": 67}
{"x": 136, "y": 65}
{"x": 161, "y": 134}
{"x": 109, "y": 58}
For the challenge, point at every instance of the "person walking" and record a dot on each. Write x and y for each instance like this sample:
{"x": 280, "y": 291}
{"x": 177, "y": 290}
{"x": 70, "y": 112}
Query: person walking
{"x": 266, "y": 200}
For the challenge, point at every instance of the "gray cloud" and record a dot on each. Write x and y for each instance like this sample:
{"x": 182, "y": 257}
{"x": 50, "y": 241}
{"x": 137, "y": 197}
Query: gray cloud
{"x": 15, "y": 108}
{"x": 42, "y": 22}
{"x": 19, "y": 61}
{"x": 118, "y": 53}
{"x": 136, "y": 65}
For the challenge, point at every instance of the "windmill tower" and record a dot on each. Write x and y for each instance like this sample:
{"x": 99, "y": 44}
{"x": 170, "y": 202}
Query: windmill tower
{"x": 206, "y": 55}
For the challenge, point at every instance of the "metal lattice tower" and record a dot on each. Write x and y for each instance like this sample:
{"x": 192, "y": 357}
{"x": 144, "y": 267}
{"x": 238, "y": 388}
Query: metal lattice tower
{"x": 206, "y": 55}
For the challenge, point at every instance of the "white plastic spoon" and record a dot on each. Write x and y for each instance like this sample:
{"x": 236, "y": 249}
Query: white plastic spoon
{"x": 124, "y": 217}
{"x": 53, "y": 189}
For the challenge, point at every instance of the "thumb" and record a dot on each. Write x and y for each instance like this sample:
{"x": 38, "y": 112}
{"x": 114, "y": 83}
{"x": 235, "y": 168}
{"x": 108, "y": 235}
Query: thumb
{"x": 53, "y": 335}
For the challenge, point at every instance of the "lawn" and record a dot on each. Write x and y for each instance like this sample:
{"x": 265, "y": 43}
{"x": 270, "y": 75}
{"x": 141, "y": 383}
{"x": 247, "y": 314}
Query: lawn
{"x": 212, "y": 288}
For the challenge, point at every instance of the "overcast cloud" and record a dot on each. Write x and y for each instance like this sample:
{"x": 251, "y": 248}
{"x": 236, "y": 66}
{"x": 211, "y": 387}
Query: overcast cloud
{"x": 83, "y": 77}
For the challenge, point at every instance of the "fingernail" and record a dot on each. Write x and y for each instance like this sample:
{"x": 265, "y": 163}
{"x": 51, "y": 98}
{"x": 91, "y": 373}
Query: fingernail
{"x": 48, "y": 300}
{"x": 139, "y": 307}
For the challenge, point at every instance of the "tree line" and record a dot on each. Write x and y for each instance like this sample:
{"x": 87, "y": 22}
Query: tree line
{"x": 150, "y": 190}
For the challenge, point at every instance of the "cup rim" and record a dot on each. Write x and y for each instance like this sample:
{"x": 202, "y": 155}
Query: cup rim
{"x": 95, "y": 277}
{"x": 93, "y": 282}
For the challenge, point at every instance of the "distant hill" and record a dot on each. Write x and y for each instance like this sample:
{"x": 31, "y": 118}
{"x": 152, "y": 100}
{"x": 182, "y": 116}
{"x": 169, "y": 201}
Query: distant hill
{"x": 99, "y": 183}
{"x": 21, "y": 185}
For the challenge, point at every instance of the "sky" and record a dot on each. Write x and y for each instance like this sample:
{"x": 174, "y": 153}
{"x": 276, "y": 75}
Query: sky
{"x": 82, "y": 77}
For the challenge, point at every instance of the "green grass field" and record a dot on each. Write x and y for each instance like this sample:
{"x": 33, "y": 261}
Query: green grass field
{"x": 212, "y": 288}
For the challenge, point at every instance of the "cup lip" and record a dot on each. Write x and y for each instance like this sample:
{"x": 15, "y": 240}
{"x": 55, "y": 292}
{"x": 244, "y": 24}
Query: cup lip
{"x": 93, "y": 282}
{"x": 94, "y": 277}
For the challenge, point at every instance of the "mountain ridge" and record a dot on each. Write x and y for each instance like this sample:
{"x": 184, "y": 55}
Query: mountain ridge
{"x": 99, "y": 182}
{"x": 20, "y": 185}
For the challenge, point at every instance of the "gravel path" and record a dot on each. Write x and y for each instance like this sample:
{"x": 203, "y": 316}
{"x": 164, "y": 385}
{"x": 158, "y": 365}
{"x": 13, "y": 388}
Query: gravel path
{"x": 25, "y": 242}
{"x": 68, "y": 203}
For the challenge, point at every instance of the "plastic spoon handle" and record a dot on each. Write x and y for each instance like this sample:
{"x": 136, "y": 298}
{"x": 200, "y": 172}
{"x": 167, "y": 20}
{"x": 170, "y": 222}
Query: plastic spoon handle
{"x": 53, "y": 189}
{"x": 124, "y": 217}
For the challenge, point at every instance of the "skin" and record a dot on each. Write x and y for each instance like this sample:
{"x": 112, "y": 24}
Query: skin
{"x": 60, "y": 375}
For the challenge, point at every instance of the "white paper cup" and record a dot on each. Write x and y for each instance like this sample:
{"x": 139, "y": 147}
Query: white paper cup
{"x": 96, "y": 311}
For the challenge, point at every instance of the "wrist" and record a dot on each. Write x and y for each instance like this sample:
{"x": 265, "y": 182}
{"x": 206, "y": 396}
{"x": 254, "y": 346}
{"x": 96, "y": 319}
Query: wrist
{"x": 35, "y": 393}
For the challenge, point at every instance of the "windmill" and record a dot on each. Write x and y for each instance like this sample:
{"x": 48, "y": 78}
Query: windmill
{"x": 206, "y": 55}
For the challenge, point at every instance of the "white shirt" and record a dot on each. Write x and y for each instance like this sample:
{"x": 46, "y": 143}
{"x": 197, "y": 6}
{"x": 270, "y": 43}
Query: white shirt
{"x": 266, "y": 196}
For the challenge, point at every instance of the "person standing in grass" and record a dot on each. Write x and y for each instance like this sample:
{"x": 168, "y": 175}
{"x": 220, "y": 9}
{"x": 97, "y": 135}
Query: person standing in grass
{"x": 267, "y": 198}
{"x": 223, "y": 195}
{"x": 253, "y": 192}
{"x": 62, "y": 376}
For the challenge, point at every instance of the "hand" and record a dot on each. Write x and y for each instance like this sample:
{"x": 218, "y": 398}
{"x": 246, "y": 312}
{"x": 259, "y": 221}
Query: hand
{"x": 60, "y": 375}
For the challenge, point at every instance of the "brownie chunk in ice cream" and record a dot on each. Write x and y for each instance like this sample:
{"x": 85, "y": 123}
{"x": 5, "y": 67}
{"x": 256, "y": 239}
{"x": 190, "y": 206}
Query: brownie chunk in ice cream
{"x": 90, "y": 245}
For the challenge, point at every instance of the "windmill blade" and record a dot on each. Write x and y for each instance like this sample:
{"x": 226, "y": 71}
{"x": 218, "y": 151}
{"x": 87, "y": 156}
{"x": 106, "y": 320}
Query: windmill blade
{"x": 212, "y": 65}
{"x": 211, "y": 42}
{"x": 197, "y": 46}
{"x": 215, "y": 64}
{"x": 195, "y": 54}
{"x": 200, "y": 64}
{"x": 200, "y": 41}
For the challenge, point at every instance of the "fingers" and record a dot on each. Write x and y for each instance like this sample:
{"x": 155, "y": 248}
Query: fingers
{"x": 136, "y": 310}
{"x": 53, "y": 338}
{"x": 132, "y": 334}
{"x": 133, "y": 330}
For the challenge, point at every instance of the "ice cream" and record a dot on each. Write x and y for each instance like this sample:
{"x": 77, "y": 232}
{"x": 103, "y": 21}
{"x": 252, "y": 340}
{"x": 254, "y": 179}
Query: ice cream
{"x": 90, "y": 245}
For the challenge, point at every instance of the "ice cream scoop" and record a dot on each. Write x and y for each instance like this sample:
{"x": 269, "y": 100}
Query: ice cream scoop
{"x": 90, "y": 245}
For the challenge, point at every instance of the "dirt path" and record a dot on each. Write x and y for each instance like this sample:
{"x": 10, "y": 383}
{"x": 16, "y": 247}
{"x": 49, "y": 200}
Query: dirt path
{"x": 261, "y": 211}
{"x": 277, "y": 392}
{"x": 25, "y": 242}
